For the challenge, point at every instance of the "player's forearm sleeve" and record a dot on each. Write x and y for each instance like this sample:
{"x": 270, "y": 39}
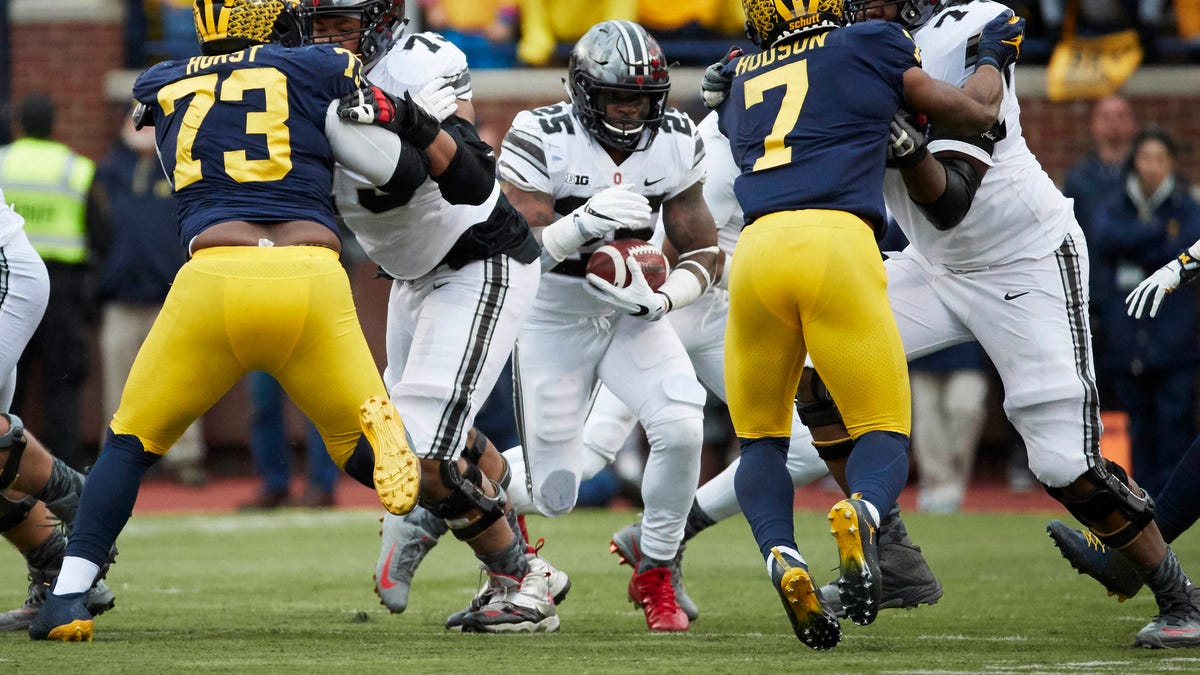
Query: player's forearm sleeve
{"x": 376, "y": 154}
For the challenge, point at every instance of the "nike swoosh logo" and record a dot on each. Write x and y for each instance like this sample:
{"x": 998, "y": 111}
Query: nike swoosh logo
{"x": 649, "y": 182}
{"x": 437, "y": 286}
{"x": 385, "y": 582}
{"x": 1014, "y": 296}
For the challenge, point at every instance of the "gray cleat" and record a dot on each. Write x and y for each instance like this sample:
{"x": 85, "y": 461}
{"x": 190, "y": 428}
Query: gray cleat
{"x": 558, "y": 581}
{"x": 99, "y": 600}
{"x": 1177, "y": 624}
{"x": 405, "y": 545}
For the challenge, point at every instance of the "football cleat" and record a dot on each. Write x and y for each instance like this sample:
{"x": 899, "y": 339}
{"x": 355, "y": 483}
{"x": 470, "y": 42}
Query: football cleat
{"x": 397, "y": 473}
{"x": 1088, "y": 555}
{"x": 812, "y": 623}
{"x": 405, "y": 545}
{"x": 653, "y": 592}
{"x": 558, "y": 581}
{"x": 860, "y": 584}
{"x": 627, "y": 544}
{"x": 907, "y": 579}
{"x": 516, "y": 605}
{"x": 99, "y": 600}
{"x": 63, "y": 618}
{"x": 1177, "y": 624}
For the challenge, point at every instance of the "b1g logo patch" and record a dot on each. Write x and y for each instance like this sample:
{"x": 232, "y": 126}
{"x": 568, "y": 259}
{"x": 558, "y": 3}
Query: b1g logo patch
{"x": 576, "y": 179}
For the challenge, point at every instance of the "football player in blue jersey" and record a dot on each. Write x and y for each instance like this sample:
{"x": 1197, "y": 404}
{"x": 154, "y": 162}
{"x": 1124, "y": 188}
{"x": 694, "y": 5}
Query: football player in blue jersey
{"x": 245, "y": 134}
{"x": 808, "y": 118}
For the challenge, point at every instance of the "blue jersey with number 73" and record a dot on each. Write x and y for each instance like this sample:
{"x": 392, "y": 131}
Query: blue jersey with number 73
{"x": 808, "y": 120}
{"x": 241, "y": 136}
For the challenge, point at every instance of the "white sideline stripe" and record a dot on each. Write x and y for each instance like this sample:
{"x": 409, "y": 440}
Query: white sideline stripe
{"x": 153, "y": 525}
{"x": 973, "y": 638}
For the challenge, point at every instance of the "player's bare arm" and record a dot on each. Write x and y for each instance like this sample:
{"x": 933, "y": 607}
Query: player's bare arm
{"x": 536, "y": 207}
{"x": 943, "y": 186}
{"x": 693, "y": 234}
{"x": 948, "y": 106}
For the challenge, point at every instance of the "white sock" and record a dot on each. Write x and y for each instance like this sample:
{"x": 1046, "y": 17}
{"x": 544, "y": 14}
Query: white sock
{"x": 788, "y": 550}
{"x": 873, "y": 511}
{"x": 77, "y": 576}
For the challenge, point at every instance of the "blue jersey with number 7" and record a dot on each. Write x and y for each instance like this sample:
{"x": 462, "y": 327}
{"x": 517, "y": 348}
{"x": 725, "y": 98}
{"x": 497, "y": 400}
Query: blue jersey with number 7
{"x": 808, "y": 120}
{"x": 241, "y": 136}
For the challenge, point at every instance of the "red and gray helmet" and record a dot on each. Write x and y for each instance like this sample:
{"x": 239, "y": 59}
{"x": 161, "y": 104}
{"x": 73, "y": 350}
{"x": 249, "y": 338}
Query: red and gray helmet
{"x": 618, "y": 57}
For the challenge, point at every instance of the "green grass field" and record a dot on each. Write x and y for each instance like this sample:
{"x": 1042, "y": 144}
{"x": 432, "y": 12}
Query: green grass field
{"x": 291, "y": 592}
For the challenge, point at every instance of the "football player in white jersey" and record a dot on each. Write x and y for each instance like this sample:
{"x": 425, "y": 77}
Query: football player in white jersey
{"x": 37, "y": 490}
{"x": 908, "y": 581}
{"x": 996, "y": 256}
{"x": 614, "y": 137}
{"x": 465, "y": 270}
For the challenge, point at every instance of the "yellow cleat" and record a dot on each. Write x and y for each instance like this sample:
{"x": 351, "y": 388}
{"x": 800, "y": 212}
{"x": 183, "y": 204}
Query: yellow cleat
{"x": 76, "y": 631}
{"x": 397, "y": 473}
{"x": 861, "y": 584}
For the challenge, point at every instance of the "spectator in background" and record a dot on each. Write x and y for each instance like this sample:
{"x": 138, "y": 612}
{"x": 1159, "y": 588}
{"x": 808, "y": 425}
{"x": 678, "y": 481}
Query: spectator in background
{"x": 273, "y": 454}
{"x": 137, "y": 264}
{"x": 1091, "y": 183}
{"x": 949, "y": 394}
{"x": 1098, "y": 17}
{"x": 545, "y": 23}
{"x": 697, "y": 20}
{"x": 485, "y": 30}
{"x": 1151, "y": 220}
{"x": 51, "y": 186}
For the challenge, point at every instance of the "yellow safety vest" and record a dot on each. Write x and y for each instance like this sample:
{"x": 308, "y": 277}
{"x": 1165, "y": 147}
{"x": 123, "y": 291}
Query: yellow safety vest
{"x": 47, "y": 183}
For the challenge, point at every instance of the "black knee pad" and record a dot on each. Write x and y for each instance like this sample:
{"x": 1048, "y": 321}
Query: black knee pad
{"x": 13, "y": 441}
{"x": 13, "y": 512}
{"x": 473, "y": 453}
{"x": 834, "y": 451}
{"x": 459, "y": 508}
{"x": 1111, "y": 495}
{"x": 813, "y": 402}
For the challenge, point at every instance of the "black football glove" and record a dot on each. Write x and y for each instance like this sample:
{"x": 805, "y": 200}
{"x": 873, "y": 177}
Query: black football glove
{"x": 714, "y": 87}
{"x": 371, "y": 105}
{"x": 1000, "y": 42}
{"x": 906, "y": 145}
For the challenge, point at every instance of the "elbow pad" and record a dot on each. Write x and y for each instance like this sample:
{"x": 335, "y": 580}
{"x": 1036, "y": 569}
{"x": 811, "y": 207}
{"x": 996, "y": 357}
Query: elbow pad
{"x": 471, "y": 175}
{"x": 961, "y": 183}
{"x": 412, "y": 168}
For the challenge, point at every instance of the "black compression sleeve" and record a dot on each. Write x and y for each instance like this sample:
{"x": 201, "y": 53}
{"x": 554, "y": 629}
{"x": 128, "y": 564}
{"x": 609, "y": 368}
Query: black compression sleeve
{"x": 411, "y": 171}
{"x": 471, "y": 175}
{"x": 949, "y": 209}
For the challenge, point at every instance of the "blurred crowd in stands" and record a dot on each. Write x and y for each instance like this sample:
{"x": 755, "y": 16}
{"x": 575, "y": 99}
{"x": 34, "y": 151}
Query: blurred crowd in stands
{"x": 517, "y": 33}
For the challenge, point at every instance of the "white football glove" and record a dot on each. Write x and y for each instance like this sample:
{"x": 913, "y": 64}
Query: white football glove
{"x": 611, "y": 209}
{"x": 437, "y": 98}
{"x": 1153, "y": 289}
{"x": 637, "y": 299}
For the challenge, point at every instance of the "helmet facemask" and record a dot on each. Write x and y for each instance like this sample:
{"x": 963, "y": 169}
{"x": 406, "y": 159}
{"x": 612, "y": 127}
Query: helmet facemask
{"x": 912, "y": 14}
{"x": 380, "y": 23}
{"x": 617, "y": 62}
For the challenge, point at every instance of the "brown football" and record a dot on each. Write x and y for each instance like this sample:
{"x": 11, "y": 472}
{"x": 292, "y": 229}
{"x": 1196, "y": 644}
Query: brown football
{"x": 608, "y": 262}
